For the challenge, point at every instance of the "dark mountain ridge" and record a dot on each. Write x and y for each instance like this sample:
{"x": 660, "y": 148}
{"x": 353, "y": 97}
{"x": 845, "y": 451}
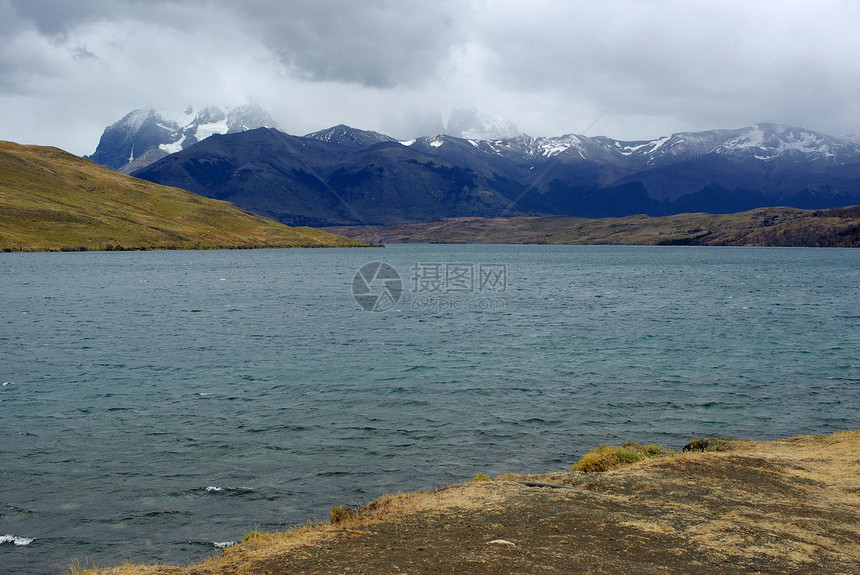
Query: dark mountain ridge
{"x": 343, "y": 176}
{"x": 313, "y": 182}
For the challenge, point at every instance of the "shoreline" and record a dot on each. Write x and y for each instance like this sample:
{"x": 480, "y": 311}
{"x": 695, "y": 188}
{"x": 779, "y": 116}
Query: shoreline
{"x": 760, "y": 227}
{"x": 74, "y": 249}
{"x": 789, "y": 505}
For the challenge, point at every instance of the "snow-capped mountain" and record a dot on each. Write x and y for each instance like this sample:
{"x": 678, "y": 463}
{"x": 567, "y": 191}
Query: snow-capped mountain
{"x": 145, "y": 136}
{"x": 765, "y": 164}
{"x": 347, "y": 136}
{"x": 473, "y": 124}
{"x": 765, "y": 142}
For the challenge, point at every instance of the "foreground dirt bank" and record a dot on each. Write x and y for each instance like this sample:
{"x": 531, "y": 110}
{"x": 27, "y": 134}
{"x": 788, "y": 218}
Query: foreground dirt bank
{"x": 791, "y": 506}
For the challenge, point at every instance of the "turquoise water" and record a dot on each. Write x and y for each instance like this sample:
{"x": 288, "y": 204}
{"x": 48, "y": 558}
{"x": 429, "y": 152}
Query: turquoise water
{"x": 153, "y": 403}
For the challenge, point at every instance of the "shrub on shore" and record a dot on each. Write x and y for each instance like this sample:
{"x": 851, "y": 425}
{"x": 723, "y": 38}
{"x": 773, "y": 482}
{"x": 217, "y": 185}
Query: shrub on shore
{"x": 606, "y": 457}
{"x": 252, "y": 534}
{"x": 340, "y": 513}
{"x": 706, "y": 444}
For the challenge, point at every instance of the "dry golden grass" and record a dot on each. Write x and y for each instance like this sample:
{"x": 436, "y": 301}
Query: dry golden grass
{"x": 52, "y": 200}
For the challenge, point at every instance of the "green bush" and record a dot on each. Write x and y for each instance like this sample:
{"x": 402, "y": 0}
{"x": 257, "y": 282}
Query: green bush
{"x": 340, "y": 513}
{"x": 601, "y": 458}
{"x": 626, "y": 455}
{"x": 606, "y": 457}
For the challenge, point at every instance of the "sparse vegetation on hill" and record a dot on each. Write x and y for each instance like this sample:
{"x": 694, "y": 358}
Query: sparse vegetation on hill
{"x": 53, "y": 200}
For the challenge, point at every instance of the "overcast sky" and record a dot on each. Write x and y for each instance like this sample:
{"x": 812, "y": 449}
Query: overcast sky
{"x": 626, "y": 69}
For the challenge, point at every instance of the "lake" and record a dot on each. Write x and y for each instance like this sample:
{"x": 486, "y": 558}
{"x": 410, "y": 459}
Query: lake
{"x": 153, "y": 404}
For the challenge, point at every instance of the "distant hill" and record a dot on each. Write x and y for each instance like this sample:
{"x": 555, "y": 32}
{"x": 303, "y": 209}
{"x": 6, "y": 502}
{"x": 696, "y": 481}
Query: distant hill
{"x": 52, "y": 200}
{"x": 835, "y": 227}
{"x": 346, "y": 176}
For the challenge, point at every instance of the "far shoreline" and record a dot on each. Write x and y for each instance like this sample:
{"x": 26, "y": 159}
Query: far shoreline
{"x": 761, "y": 227}
{"x": 78, "y": 249}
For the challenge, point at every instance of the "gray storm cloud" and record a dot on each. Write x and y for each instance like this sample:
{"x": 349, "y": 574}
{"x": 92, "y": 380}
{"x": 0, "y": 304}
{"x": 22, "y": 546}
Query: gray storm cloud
{"x": 644, "y": 69}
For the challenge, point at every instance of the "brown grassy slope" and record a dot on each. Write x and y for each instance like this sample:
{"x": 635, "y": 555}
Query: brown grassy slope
{"x": 791, "y": 506}
{"x": 760, "y": 227}
{"x": 50, "y": 199}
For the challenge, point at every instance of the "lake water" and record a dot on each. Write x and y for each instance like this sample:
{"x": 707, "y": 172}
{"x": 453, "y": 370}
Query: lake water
{"x": 154, "y": 403}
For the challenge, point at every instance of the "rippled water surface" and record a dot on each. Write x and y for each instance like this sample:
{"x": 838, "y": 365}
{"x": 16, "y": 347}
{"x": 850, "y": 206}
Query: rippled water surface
{"x": 155, "y": 403}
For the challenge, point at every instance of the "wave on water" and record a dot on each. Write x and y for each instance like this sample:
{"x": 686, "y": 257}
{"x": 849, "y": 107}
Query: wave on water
{"x": 15, "y": 540}
{"x": 240, "y": 489}
{"x": 216, "y": 544}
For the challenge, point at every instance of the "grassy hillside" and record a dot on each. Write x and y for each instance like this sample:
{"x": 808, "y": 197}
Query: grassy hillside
{"x": 838, "y": 227}
{"x": 51, "y": 200}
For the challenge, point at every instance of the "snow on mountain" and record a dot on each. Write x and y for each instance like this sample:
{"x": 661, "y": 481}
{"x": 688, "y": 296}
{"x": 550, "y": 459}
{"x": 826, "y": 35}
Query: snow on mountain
{"x": 764, "y": 142}
{"x": 133, "y": 121}
{"x": 473, "y": 124}
{"x": 347, "y": 136}
{"x": 147, "y": 135}
{"x": 173, "y": 147}
{"x": 523, "y": 147}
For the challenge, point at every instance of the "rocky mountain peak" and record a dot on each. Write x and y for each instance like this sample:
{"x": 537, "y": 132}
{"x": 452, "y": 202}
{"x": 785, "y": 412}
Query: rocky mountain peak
{"x": 144, "y": 136}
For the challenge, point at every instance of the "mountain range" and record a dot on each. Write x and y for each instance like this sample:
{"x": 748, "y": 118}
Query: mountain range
{"x": 346, "y": 176}
{"x": 479, "y": 168}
